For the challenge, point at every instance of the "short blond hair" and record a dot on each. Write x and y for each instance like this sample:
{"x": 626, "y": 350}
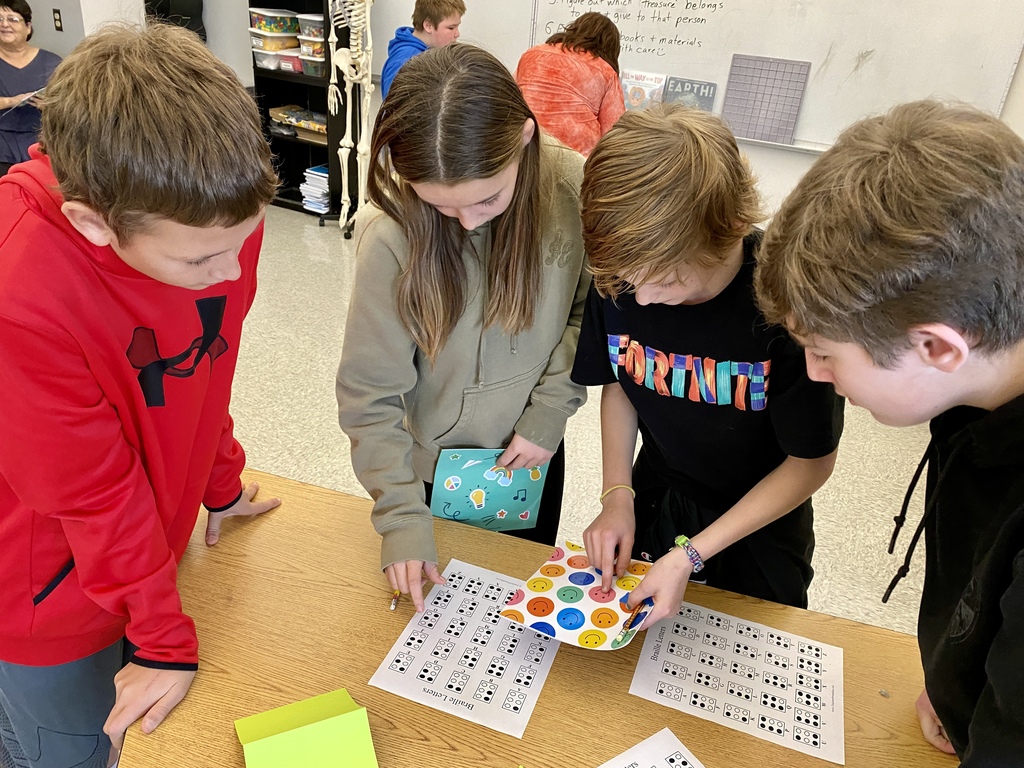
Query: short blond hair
{"x": 435, "y": 11}
{"x": 664, "y": 188}
{"x": 141, "y": 123}
{"x": 913, "y": 217}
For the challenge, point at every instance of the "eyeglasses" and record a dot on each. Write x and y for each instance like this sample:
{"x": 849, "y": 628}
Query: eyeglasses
{"x": 12, "y": 20}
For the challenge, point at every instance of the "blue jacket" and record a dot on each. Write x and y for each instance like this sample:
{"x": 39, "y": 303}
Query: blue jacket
{"x": 403, "y": 46}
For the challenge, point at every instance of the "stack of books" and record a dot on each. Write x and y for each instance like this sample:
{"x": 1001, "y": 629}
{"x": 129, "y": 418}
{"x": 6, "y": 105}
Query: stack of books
{"x": 315, "y": 191}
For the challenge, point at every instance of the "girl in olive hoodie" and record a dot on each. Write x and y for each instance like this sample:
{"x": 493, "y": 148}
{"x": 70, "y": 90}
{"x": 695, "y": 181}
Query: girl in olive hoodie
{"x": 468, "y": 297}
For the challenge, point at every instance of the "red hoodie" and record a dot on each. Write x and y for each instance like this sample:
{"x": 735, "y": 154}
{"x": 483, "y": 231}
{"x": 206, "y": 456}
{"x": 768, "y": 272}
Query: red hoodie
{"x": 114, "y": 427}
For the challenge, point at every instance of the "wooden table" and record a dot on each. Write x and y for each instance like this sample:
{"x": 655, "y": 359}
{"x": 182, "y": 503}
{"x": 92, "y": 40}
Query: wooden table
{"x": 292, "y": 604}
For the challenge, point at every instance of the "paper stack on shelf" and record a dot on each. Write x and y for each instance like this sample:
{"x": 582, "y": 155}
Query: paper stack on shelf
{"x": 315, "y": 191}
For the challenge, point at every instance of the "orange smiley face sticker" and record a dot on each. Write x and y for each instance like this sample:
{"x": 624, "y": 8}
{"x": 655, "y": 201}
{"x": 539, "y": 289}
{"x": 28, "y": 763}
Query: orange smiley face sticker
{"x": 541, "y": 606}
{"x": 578, "y": 561}
{"x": 554, "y": 571}
{"x": 638, "y": 569}
{"x": 628, "y": 583}
{"x": 604, "y": 618}
{"x": 592, "y": 638}
{"x": 538, "y": 584}
{"x": 514, "y": 615}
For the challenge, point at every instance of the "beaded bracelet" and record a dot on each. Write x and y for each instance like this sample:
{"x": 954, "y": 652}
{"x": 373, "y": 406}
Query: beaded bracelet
{"x": 615, "y": 488}
{"x": 683, "y": 542}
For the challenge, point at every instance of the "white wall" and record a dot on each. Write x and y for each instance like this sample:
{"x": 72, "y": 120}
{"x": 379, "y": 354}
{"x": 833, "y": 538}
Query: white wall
{"x": 43, "y": 33}
{"x": 96, "y": 13}
{"x": 79, "y": 18}
{"x": 227, "y": 35}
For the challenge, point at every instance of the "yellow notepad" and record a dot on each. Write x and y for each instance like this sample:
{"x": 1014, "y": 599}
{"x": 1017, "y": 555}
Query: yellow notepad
{"x": 326, "y": 731}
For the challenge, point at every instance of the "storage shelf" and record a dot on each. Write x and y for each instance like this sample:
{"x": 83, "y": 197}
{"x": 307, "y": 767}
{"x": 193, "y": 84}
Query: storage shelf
{"x": 292, "y": 77}
{"x": 301, "y": 140}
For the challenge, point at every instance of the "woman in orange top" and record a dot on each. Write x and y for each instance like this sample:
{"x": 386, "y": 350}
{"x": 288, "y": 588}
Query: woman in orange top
{"x": 571, "y": 82}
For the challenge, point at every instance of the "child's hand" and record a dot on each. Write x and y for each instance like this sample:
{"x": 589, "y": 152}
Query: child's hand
{"x": 407, "y": 578}
{"x": 609, "y": 539}
{"x": 666, "y": 583}
{"x": 521, "y": 453}
{"x": 147, "y": 693}
{"x": 244, "y": 507}
{"x": 931, "y": 727}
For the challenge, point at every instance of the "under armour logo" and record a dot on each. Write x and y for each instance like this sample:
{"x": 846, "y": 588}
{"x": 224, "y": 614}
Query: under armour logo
{"x": 144, "y": 355}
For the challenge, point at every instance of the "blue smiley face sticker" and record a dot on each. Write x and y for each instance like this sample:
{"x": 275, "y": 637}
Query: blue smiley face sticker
{"x": 543, "y": 627}
{"x": 581, "y": 578}
{"x": 570, "y": 618}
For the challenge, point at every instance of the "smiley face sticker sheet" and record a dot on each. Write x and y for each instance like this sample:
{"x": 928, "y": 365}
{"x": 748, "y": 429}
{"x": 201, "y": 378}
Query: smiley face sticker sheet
{"x": 462, "y": 657}
{"x": 564, "y": 600}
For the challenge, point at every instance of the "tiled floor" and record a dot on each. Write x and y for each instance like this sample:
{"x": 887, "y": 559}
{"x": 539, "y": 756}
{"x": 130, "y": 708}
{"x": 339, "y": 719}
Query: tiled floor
{"x": 286, "y": 417}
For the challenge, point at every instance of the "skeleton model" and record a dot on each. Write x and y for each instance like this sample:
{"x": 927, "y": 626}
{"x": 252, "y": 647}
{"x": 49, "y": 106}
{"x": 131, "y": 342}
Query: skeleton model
{"x": 354, "y": 64}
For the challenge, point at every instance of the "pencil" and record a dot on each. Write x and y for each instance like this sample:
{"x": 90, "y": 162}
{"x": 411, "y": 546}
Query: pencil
{"x": 628, "y": 623}
{"x": 394, "y": 600}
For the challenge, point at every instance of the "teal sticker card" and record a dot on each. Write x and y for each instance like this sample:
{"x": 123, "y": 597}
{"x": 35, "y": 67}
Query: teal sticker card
{"x": 469, "y": 487}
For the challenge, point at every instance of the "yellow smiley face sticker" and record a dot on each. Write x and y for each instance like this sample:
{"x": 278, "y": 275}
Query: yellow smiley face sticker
{"x": 514, "y": 615}
{"x": 604, "y": 617}
{"x": 628, "y": 583}
{"x": 539, "y": 584}
{"x": 638, "y": 569}
{"x": 574, "y": 547}
{"x": 592, "y": 638}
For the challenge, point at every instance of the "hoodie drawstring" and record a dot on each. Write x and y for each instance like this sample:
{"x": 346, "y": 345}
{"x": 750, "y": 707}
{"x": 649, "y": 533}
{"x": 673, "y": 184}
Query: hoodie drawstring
{"x": 928, "y": 510}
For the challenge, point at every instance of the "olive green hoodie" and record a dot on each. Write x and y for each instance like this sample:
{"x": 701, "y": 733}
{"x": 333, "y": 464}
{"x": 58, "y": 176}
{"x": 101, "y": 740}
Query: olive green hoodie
{"x": 399, "y": 410}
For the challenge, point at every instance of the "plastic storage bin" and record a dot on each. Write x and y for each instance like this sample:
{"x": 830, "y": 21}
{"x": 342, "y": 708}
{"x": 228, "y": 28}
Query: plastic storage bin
{"x": 314, "y": 66}
{"x": 311, "y": 46}
{"x": 272, "y": 41}
{"x": 311, "y": 25}
{"x": 289, "y": 61}
{"x": 266, "y": 59}
{"x": 274, "y": 20}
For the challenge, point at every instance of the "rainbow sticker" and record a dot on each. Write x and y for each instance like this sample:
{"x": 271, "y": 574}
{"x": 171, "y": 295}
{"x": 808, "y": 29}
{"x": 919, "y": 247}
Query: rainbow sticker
{"x": 502, "y": 474}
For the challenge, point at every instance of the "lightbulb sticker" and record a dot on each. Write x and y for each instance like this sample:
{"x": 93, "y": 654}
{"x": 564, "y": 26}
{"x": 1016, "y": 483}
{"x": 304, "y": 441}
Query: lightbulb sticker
{"x": 479, "y": 491}
{"x": 478, "y": 497}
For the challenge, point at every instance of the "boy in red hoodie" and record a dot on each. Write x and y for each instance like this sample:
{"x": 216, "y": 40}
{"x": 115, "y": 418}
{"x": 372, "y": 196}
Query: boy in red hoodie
{"x": 128, "y": 251}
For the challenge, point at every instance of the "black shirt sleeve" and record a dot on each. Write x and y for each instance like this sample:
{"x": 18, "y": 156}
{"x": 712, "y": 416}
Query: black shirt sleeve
{"x": 807, "y": 416}
{"x": 592, "y": 367}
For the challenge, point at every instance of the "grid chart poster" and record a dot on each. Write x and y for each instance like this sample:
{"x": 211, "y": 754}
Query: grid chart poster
{"x": 462, "y": 657}
{"x": 770, "y": 684}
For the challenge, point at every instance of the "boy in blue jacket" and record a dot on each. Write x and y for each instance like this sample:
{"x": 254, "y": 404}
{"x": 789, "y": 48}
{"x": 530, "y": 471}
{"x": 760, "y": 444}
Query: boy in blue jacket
{"x": 435, "y": 24}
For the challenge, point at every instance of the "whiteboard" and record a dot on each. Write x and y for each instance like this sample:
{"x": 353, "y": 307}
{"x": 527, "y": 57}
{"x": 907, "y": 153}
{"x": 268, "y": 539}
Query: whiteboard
{"x": 866, "y": 55}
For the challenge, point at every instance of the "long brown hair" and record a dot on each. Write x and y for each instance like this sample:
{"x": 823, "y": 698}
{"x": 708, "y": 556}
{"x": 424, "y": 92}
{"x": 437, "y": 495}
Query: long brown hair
{"x": 454, "y": 114}
{"x": 591, "y": 33}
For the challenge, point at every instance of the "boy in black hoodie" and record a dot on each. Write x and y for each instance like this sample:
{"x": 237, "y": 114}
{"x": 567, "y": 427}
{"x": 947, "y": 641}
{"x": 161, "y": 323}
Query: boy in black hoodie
{"x": 898, "y": 262}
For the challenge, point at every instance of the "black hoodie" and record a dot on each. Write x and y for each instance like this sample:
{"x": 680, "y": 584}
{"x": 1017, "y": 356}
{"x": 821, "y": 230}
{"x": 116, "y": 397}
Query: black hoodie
{"x": 971, "y": 624}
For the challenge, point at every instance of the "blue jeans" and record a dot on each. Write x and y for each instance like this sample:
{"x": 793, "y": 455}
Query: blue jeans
{"x": 52, "y": 717}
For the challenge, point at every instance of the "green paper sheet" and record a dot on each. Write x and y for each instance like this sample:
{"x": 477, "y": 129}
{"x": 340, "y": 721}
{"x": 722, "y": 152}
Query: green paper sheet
{"x": 326, "y": 731}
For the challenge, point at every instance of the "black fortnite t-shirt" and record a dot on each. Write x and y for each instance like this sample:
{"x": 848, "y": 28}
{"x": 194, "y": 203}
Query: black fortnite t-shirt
{"x": 721, "y": 397}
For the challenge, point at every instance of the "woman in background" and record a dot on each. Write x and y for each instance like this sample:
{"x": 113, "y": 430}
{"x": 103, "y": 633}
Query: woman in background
{"x": 24, "y": 69}
{"x": 571, "y": 82}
